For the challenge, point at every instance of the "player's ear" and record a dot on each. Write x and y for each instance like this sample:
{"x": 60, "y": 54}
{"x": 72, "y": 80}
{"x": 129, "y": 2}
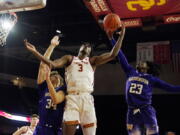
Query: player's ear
{"x": 91, "y": 52}
{"x": 137, "y": 65}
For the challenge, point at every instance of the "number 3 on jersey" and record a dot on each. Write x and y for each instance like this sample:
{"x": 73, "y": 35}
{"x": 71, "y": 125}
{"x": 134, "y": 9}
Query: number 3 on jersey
{"x": 136, "y": 88}
{"x": 80, "y": 67}
{"x": 50, "y": 104}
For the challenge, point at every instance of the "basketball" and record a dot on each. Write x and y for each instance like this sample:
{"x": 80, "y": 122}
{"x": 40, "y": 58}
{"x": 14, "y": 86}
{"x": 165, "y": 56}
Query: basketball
{"x": 111, "y": 22}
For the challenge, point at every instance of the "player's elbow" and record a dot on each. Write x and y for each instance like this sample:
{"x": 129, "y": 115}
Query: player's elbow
{"x": 54, "y": 100}
{"x": 53, "y": 65}
{"x": 58, "y": 100}
{"x": 113, "y": 55}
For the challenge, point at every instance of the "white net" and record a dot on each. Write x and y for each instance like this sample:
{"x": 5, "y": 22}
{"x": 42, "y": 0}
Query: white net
{"x": 7, "y": 22}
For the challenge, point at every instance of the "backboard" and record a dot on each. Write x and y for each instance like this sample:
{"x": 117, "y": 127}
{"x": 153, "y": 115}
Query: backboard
{"x": 7, "y": 6}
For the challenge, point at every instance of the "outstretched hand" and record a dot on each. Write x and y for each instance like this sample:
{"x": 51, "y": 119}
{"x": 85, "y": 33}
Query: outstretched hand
{"x": 29, "y": 46}
{"x": 55, "y": 41}
{"x": 111, "y": 33}
{"x": 122, "y": 31}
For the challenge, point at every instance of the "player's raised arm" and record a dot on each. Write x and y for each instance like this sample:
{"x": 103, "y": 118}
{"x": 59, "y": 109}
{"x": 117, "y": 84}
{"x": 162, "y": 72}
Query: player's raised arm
{"x": 47, "y": 55}
{"x": 121, "y": 57}
{"x": 59, "y": 63}
{"x": 165, "y": 86}
{"x": 57, "y": 97}
{"x": 20, "y": 131}
{"x": 106, "y": 57}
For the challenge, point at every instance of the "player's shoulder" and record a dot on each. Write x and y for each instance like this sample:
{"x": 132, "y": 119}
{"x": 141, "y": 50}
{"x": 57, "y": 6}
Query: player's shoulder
{"x": 68, "y": 56}
{"x": 92, "y": 59}
{"x": 132, "y": 72}
{"x": 43, "y": 83}
{"x": 149, "y": 77}
{"x": 63, "y": 88}
{"x": 24, "y": 128}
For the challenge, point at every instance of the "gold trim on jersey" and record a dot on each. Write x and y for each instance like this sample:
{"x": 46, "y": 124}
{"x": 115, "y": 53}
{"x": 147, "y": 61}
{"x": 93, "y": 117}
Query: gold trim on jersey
{"x": 139, "y": 79}
{"x": 129, "y": 126}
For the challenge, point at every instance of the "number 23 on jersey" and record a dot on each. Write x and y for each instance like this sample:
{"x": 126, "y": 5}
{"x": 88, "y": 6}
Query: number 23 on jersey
{"x": 136, "y": 88}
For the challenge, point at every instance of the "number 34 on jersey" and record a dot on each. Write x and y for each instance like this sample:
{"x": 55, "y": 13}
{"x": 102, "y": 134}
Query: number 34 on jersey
{"x": 50, "y": 105}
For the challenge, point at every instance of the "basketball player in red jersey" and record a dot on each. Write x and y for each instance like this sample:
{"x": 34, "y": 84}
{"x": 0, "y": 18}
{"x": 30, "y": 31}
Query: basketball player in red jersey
{"x": 79, "y": 73}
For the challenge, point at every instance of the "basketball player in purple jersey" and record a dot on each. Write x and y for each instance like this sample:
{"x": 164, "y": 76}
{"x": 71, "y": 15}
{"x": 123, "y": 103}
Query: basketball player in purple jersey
{"x": 51, "y": 97}
{"x": 141, "y": 116}
{"x": 80, "y": 69}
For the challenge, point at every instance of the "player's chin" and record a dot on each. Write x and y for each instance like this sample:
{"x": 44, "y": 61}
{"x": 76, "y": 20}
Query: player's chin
{"x": 83, "y": 52}
{"x": 141, "y": 70}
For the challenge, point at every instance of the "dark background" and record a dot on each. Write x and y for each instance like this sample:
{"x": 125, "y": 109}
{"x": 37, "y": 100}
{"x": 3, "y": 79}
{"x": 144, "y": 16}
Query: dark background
{"x": 110, "y": 109}
{"x": 77, "y": 26}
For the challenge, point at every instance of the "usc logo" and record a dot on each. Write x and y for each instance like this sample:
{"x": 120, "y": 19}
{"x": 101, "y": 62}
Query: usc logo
{"x": 145, "y": 4}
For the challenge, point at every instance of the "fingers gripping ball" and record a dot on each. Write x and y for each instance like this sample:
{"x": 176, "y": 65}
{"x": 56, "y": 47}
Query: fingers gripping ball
{"x": 111, "y": 22}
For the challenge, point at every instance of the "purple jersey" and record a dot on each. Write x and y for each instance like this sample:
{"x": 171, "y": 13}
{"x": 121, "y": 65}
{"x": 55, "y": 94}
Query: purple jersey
{"x": 139, "y": 85}
{"x": 49, "y": 113}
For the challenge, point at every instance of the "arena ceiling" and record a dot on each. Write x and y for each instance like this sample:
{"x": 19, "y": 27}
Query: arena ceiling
{"x": 77, "y": 25}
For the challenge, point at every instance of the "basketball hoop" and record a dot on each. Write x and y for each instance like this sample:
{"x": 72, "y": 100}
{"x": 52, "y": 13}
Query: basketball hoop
{"x": 7, "y": 22}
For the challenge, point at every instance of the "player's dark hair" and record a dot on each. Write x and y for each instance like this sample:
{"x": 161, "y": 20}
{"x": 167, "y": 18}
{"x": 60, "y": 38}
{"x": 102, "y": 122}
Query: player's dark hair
{"x": 89, "y": 45}
{"x": 154, "y": 69}
{"x": 35, "y": 116}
